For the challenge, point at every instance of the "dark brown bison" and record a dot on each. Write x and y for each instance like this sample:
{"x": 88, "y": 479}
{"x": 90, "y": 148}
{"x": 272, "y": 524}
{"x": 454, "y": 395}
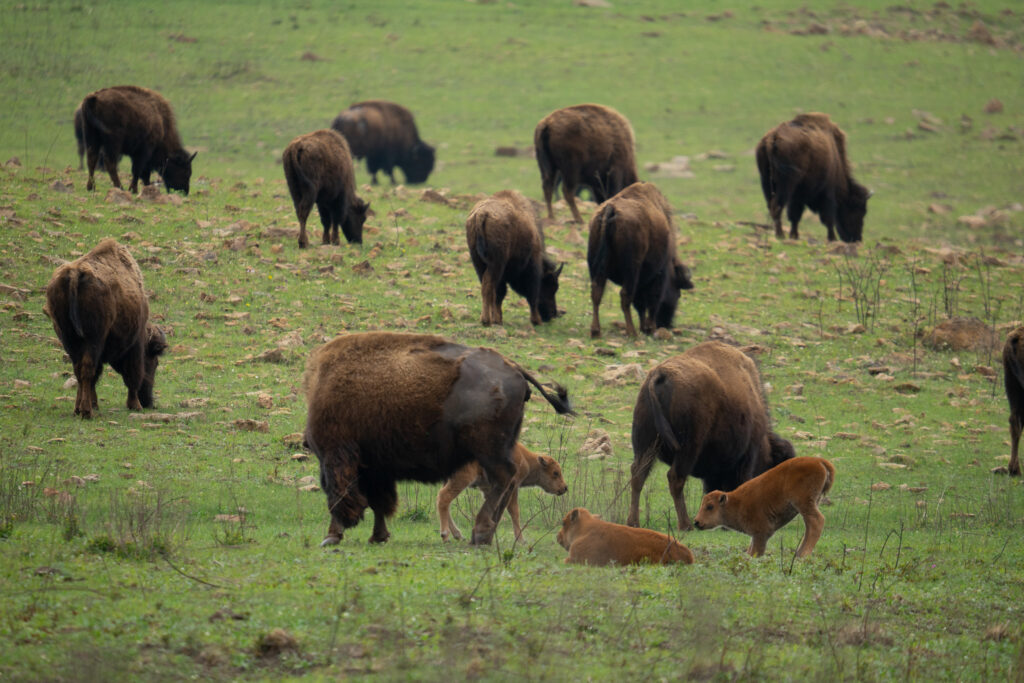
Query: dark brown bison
{"x": 803, "y": 163}
{"x": 385, "y": 134}
{"x": 506, "y": 245}
{"x": 387, "y": 407}
{"x": 587, "y": 145}
{"x": 703, "y": 414}
{"x": 138, "y": 122}
{"x": 1013, "y": 376}
{"x": 79, "y": 125}
{"x": 100, "y": 312}
{"x": 633, "y": 244}
{"x": 318, "y": 168}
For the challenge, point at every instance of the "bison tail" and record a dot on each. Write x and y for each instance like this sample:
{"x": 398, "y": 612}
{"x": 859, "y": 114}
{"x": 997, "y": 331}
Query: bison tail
{"x": 480, "y": 245}
{"x": 90, "y": 117}
{"x": 554, "y": 393}
{"x": 661, "y": 423}
{"x": 73, "y": 312}
{"x": 597, "y": 261}
{"x": 764, "y": 169}
{"x": 781, "y": 449}
{"x": 542, "y": 149}
{"x": 830, "y": 476}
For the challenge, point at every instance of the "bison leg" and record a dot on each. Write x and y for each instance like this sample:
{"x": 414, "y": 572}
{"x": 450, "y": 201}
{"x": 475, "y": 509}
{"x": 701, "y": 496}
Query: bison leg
{"x": 814, "y": 523}
{"x": 596, "y": 294}
{"x": 140, "y": 169}
{"x": 327, "y": 220}
{"x": 570, "y": 199}
{"x": 677, "y": 475}
{"x": 491, "y": 312}
{"x": 547, "y": 183}
{"x": 496, "y": 499}
{"x": 85, "y": 372}
{"x": 92, "y": 159}
{"x": 500, "y": 290}
{"x": 775, "y": 210}
{"x": 828, "y": 217}
{"x": 110, "y": 163}
{"x": 639, "y": 471}
{"x": 758, "y": 543}
{"x": 131, "y": 370}
{"x": 335, "y": 532}
{"x": 794, "y": 212}
{"x": 448, "y": 493}
{"x": 513, "y": 512}
{"x": 382, "y": 497}
{"x": 303, "y": 206}
{"x": 626, "y": 301}
{"x": 1016, "y": 425}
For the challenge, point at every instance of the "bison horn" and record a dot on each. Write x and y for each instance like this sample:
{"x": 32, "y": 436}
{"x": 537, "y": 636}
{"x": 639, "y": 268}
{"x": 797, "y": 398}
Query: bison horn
{"x": 870, "y": 193}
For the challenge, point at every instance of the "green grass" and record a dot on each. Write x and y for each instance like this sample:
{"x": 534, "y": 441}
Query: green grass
{"x": 132, "y": 574}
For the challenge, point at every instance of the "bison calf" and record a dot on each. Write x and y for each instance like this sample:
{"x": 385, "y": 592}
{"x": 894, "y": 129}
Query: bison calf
{"x": 803, "y": 163}
{"x": 587, "y": 145}
{"x": 768, "y": 502}
{"x": 506, "y": 246}
{"x": 385, "y": 134}
{"x": 139, "y": 122}
{"x": 388, "y": 407}
{"x": 531, "y": 470}
{"x": 100, "y": 312}
{"x": 703, "y": 414}
{"x": 633, "y": 243}
{"x": 1013, "y": 376}
{"x": 591, "y": 540}
{"x": 318, "y": 168}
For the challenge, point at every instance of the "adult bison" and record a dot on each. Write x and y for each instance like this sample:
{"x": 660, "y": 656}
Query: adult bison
{"x": 139, "y": 122}
{"x": 803, "y": 163}
{"x": 385, "y": 134}
{"x": 506, "y": 245}
{"x": 702, "y": 413}
{"x": 587, "y": 145}
{"x": 633, "y": 243}
{"x": 1013, "y": 376}
{"x": 100, "y": 312}
{"x": 387, "y": 407}
{"x": 318, "y": 168}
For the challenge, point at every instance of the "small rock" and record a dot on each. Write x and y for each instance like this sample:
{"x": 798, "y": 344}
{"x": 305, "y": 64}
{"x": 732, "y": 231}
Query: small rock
{"x": 993, "y": 106}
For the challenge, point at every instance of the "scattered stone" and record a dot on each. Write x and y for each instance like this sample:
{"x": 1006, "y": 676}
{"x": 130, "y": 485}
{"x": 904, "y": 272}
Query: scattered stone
{"x": 300, "y": 457}
{"x": 617, "y": 375}
{"x": 993, "y": 106}
{"x": 248, "y": 425}
{"x": 597, "y": 445}
{"x": 881, "y": 486}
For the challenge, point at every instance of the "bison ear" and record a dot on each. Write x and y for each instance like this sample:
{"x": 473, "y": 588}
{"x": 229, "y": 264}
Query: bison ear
{"x": 723, "y": 498}
{"x": 542, "y": 461}
{"x": 574, "y": 515}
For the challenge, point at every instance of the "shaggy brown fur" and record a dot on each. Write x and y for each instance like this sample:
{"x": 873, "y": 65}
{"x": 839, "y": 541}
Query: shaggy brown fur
{"x": 385, "y": 134}
{"x": 389, "y": 407}
{"x": 587, "y": 145}
{"x": 591, "y": 540}
{"x": 127, "y": 119}
{"x": 768, "y": 502}
{"x": 506, "y": 245}
{"x": 633, "y": 244}
{"x": 803, "y": 163}
{"x": 318, "y": 168}
{"x": 1013, "y": 376}
{"x": 703, "y": 414}
{"x": 531, "y": 470}
{"x": 100, "y": 312}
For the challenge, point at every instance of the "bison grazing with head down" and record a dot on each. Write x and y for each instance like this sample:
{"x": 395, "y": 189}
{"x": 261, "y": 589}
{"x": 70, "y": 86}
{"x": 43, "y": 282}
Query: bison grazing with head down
{"x": 803, "y": 163}
{"x": 385, "y": 134}
{"x": 100, "y": 312}
{"x": 506, "y": 245}
{"x": 702, "y": 413}
{"x": 127, "y": 119}
{"x": 1013, "y": 376}
{"x": 318, "y": 168}
{"x": 633, "y": 243}
{"x": 388, "y": 407}
{"x": 587, "y": 145}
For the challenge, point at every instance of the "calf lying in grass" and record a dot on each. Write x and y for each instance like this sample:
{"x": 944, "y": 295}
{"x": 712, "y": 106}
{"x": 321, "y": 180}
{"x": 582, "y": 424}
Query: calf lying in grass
{"x": 763, "y": 505}
{"x": 591, "y": 540}
{"x": 531, "y": 470}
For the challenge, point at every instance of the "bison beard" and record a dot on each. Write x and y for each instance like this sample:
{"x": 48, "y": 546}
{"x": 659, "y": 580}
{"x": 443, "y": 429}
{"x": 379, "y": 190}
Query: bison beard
{"x": 391, "y": 407}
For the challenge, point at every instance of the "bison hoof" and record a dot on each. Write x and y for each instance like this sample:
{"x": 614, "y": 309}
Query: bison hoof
{"x": 595, "y": 333}
{"x": 330, "y": 540}
{"x": 380, "y": 539}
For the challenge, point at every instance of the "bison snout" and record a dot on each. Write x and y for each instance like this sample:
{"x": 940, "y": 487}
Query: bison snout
{"x": 698, "y": 524}
{"x": 562, "y": 491}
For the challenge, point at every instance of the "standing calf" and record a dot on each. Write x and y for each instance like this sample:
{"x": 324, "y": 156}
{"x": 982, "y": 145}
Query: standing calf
{"x": 768, "y": 502}
{"x": 633, "y": 243}
{"x": 506, "y": 246}
{"x": 1013, "y": 376}
{"x": 100, "y": 312}
{"x": 531, "y": 470}
{"x": 591, "y": 540}
{"x": 127, "y": 119}
{"x": 318, "y": 168}
{"x": 589, "y": 145}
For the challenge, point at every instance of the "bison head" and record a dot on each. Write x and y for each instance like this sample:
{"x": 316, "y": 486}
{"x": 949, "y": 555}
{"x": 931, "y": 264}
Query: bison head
{"x": 339, "y": 480}
{"x": 355, "y": 217}
{"x": 679, "y": 278}
{"x": 418, "y": 163}
{"x": 850, "y": 213}
{"x": 548, "y": 288}
{"x": 156, "y": 344}
{"x": 177, "y": 171}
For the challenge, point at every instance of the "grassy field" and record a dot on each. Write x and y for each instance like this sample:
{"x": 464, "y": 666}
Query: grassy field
{"x": 182, "y": 542}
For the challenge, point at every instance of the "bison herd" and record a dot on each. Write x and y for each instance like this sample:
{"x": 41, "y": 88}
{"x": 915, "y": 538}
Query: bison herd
{"x": 388, "y": 407}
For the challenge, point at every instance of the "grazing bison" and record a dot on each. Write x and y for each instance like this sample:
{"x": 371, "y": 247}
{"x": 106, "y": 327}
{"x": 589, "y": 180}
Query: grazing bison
{"x": 1013, "y": 375}
{"x": 591, "y": 540}
{"x": 318, "y": 168}
{"x": 702, "y": 413}
{"x": 127, "y": 119}
{"x": 385, "y": 134}
{"x": 586, "y": 145}
{"x": 507, "y": 248}
{"x": 387, "y": 407}
{"x": 633, "y": 243}
{"x": 803, "y": 163}
{"x": 770, "y": 501}
{"x": 531, "y": 470}
{"x": 100, "y": 312}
